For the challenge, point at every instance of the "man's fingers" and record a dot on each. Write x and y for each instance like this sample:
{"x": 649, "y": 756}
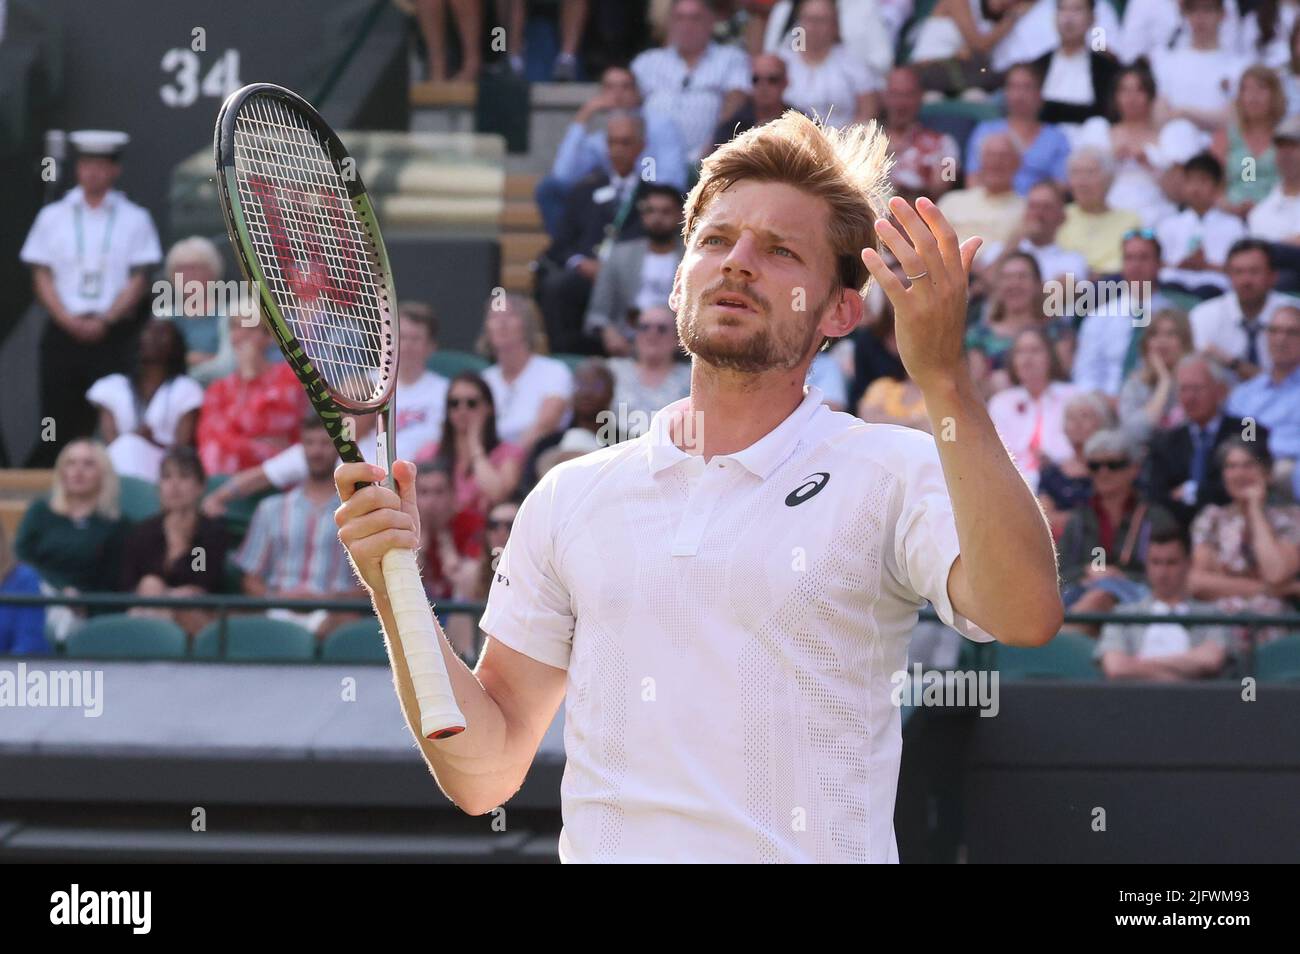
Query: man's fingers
{"x": 347, "y": 476}
{"x": 911, "y": 262}
{"x": 969, "y": 249}
{"x": 404, "y": 478}
{"x": 941, "y": 229}
{"x": 922, "y": 238}
{"x": 889, "y": 282}
{"x": 365, "y": 500}
{"x": 377, "y": 521}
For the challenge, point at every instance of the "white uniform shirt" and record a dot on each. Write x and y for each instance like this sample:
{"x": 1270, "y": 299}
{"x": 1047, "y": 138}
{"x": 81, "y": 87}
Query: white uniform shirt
{"x": 1180, "y": 234}
{"x": 1277, "y": 217}
{"x": 91, "y": 272}
{"x": 691, "y": 98}
{"x": 421, "y": 408}
{"x": 1219, "y": 322}
{"x": 131, "y": 454}
{"x": 730, "y": 630}
{"x": 520, "y": 401}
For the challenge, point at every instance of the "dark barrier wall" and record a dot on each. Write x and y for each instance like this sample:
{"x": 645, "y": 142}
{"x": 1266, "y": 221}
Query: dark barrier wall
{"x": 1182, "y": 774}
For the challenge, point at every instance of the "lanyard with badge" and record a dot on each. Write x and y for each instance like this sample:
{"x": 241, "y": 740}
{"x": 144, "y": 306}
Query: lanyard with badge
{"x": 90, "y": 281}
{"x": 615, "y": 227}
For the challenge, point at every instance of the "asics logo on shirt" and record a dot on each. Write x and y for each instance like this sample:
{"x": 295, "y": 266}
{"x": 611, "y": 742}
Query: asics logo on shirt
{"x": 810, "y": 488}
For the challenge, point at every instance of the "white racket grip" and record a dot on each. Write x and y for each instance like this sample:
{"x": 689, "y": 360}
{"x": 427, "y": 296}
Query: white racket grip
{"x": 419, "y": 641}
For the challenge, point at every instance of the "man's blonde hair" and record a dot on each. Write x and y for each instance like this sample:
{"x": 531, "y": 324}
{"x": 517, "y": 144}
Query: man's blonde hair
{"x": 848, "y": 168}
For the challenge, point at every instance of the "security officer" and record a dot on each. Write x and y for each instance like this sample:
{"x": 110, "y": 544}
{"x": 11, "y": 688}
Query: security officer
{"x": 91, "y": 253}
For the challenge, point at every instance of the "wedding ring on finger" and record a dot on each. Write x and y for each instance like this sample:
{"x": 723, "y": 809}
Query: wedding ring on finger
{"x": 912, "y": 278}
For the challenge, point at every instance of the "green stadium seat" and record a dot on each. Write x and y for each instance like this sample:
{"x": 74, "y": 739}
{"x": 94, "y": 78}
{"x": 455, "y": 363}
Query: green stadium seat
{"x": 451, "y": 363}
{"x": 361, "y": 641}
{"x": 256, "y": 638}
{"x": 120, "y": 636}
{"x": 1068, "y": 656}
{"x": 139, "y": 499}
{"x": 1279, "y": 661}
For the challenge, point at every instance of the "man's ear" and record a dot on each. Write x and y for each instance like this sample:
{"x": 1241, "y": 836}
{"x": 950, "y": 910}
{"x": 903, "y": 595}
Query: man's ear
{"x": 674, "y": 297}
{"x": 844, "y": 316}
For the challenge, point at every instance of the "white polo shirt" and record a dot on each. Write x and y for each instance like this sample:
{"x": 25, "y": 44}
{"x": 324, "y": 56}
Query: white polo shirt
{"x": 1219, "y": 322}
{"x": 91, "y": 252}
{"x": 729, "y": 630}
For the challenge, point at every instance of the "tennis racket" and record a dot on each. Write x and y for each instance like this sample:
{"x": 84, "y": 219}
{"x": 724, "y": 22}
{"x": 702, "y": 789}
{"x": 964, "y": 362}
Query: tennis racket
{"x": 306, "y": 236}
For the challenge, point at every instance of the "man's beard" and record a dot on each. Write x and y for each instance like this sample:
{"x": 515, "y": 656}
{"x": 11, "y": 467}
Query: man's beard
{"x": 770, "y": 346}
{"x": 660, "y": 236}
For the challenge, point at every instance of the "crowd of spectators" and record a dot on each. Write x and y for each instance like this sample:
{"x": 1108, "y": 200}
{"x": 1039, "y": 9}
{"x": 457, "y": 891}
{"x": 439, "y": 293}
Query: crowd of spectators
{"x": 1133, "y": 169}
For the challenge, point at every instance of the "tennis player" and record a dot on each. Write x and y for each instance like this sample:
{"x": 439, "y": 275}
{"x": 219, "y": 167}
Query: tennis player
{"x": 722, "y": 602}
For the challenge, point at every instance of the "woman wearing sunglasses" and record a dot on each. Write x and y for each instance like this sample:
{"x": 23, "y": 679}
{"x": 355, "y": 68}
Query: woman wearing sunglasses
{"x": 485, "y": 469}
{"x": 1103, "y": 549}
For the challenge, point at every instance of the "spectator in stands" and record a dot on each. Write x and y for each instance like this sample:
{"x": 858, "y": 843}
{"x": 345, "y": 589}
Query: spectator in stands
{"x": 885, "y": 393}
{"x": 868, "y": 29}
{"x": 485, "y": 467}
{"x": 825, "y": 80}
{"x": 651, "y": 379}
{"x": 1144, "y": 156}
{"x": 179, "y": 552}
{"x": 254, "y": 413}
{"x": 600, "y": 211}
{"x": 1016, "y": 303}
{"x": 1103, "y": 548}
{"x": 1030, "y": 415}
{"x": 583, "y": 152}
{"x": 1196, "y": 240}
{"x": 953, "y": 46}
{"x": 1150, "y": 25}
{"x": 1110, "y": 337}
{"x": 432, "y": 16}
{"x": 90, "y": 254}
{"x": 595, "y": 421}
{"x": 420, "y": 412}
{"x": 292, "y": 549}
{"x": 1036, "y": 234}
{"x": 74, "y": 539}
{"x": 925, "y": 160}
{"x": 988, "y": 207}
{"x": 1164, "y": 651}
{"x": 1273, "y": 397}
{"x": 1290, "y": 71}
{"x": 1183, "y": 470}
{"x": 1035, "y": 33}
{"x": 1078, "y": 81}
{"x": 1043, "y": 148}
{"x": 1197, "y": 82}
{"x": 475, "y": 579}
{"x": 693, "y": 80}
{"x": 1064, "y": 484}
{"x": 825, "y": 375}
{"x": 1245, "y": 143}
{"x": 638, "y": 273}
{"x": 1246, "y": 551}
{"x": 532, "y": 392}
{"x": 22, "y": 628}
{"x": 156, "y": 408}
{"x": 1148, "y": 400}
{"x": 1092, "y": 227}
{"x": 1277, "y": 216}
{"x": 1230, "y": 328}
{"x": 192, "y": 274}
{"x": 443, "y": 559}
{"x": 765, "y": 103}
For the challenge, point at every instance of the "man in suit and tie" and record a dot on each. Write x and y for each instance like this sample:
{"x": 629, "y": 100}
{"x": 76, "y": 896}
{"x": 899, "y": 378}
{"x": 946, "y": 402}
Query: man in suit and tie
{"x": 600, "y": 211}
{"x": 639, "y": 273}
{"x": 1182, "y": 473}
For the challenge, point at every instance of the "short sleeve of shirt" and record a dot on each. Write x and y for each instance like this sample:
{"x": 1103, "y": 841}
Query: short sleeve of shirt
{"x": 113, "y": 393}
{"x": 528, "y": 606}
{"x": 1112, "y": 641}
{"x": 36, "y": 250}
{"x": 737, "y": 75}
{"x": 558, "y": 381}
{"x": 1203, "y": 527}
{"x": 925, "y": 534}
{"x": 145, "y": 247}
{"x": 286, "y": 468}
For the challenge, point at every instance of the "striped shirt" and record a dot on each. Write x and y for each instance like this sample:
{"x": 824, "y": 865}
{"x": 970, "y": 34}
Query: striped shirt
{"x": 692, "y": 97}
{"x": 293, "y": 543}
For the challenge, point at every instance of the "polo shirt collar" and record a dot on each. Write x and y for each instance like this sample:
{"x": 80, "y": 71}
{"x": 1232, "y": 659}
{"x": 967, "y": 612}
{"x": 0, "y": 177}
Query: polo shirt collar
{"x": 760, "y": 458}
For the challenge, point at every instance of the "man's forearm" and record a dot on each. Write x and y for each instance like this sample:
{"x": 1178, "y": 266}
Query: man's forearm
{"x": 473, "y": 768}
{"x": 48, "y": 296}
{"x": 1007, "y": 554}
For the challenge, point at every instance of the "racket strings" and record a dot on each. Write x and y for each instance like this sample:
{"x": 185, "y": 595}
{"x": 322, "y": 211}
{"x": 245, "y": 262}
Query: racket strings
{"x": 315, "y": 254}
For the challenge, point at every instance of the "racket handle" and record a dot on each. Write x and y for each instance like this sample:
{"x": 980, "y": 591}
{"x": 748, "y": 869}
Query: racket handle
{"x": 420, "y": 643}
